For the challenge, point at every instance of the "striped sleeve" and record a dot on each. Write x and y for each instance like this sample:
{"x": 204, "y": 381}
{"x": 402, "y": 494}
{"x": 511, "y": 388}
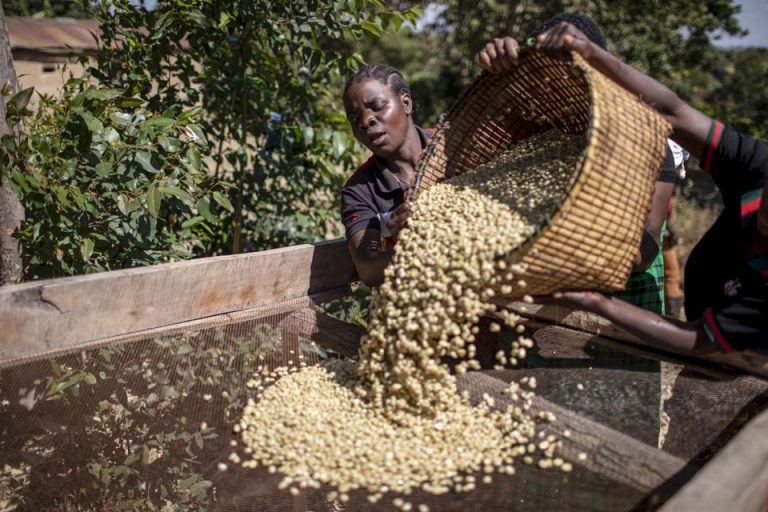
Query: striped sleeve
{"x": 713, "y": 139}
{"x": 714, "y": 333}
{"x": 740, "y": 322}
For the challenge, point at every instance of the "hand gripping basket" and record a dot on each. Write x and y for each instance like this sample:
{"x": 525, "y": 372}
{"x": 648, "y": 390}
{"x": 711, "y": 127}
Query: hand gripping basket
{"x": 591, "y": 240}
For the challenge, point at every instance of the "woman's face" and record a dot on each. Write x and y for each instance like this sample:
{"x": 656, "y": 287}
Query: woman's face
{"x": 379, "y": 119}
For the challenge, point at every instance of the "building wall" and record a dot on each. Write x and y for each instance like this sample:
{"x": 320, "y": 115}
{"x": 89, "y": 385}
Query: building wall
{"x": 45, "y": 77}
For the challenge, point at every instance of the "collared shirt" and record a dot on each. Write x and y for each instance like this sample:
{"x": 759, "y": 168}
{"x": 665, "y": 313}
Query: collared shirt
{"x": 726, "y": 276}
{"x": 372, "y": 190}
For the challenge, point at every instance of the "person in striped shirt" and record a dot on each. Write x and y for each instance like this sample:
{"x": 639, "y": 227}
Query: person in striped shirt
{"x": 726, "y": 275}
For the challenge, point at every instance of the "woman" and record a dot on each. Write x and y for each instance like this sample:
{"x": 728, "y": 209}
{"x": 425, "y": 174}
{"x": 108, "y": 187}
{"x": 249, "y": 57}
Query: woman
{"x": 726, "y": 279}
{"x": 379, "y": 108}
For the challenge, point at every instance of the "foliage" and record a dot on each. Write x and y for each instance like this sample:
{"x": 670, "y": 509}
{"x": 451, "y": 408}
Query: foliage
{"x": 48, "y": 8}
{"x": 732, "y": 93}
{"x": 670, "y": 40}
{"x": 264, "y": 72}
{"x": 352, "y": 308}
{"x": 106, "y": 183}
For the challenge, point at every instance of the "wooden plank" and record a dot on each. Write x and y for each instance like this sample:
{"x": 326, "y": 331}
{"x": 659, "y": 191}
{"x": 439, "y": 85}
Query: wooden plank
{"x": 611, "y": 453}
{"x": 52, "y": 314}
{"x": 280, "y": 308}
{"x": 735, "y": 479}
{"x": 747, "y": 360}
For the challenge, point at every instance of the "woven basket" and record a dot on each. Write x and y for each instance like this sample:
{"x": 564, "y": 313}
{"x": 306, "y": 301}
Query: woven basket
{"x": 591, "y": 240}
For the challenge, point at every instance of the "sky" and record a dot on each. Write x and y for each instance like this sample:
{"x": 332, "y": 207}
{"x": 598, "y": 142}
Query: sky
{"x": 754, "y": 17}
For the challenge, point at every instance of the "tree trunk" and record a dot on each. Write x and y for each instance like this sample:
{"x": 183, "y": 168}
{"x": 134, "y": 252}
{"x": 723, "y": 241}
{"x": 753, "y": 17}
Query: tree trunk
{"x": 11, "y": 212}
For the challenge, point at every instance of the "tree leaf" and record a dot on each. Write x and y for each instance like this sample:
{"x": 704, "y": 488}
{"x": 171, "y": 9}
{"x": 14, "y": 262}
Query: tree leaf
{"x": 223, "y": 201}
{"x": 199, "y": 488}
{"x": 110, "y": 135}
{"x": 309, "y": 135}
{"x": 129, "y": 102}
{"x": 102, "y": 94}
{"x": 121, "y": 118}
{"x": 153, "y": 201}
{"x": 84, "y": 134}
{"x": 160, "y": 122}
{"x": 204, "y": 207}
{"x": 86, "y": 248}
{"x": 189, "y": 481}
{"x": 193, "y": 221}
{"x": 20, "y": 100}
{"x": 176, "y": 191}
{"x": 193, "y": 155}
{"x": 371, "y": 27}
{"x": 121, "y": 204}
{"x": 340, "y": 144}
{"x": 196, "y": 135}
{"x": 169, "y": 144}
{"x": 145, "y": 159}
{"x": 103, "y": 169}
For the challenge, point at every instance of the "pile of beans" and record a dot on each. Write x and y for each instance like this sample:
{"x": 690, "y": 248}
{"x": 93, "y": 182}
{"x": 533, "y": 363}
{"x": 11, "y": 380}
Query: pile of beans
{"x": 394, "y": 421}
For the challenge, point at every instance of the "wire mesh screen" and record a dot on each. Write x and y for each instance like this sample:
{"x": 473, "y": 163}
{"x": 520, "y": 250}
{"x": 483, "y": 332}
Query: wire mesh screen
{"x": 147, "y": 422}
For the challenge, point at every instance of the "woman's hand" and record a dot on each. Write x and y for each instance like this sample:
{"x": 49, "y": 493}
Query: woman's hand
{"x": 564, "y": 37}
{"x": 589, "y": 301}
{"x": 399, "y": 219}
{"x": 499, "y": 55}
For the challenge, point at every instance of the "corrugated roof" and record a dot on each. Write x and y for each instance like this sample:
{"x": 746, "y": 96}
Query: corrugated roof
{"x": 59, "y": 35}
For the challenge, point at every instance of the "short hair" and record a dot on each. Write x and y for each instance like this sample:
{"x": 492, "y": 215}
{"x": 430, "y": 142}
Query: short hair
{"x": 580, "y": 21}
{"x": 386, "y": 75}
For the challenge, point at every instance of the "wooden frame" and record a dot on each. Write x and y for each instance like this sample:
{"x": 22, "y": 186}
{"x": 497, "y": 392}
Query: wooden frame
{"x": 42, "y": 316}
{"x": 58, "y": 313}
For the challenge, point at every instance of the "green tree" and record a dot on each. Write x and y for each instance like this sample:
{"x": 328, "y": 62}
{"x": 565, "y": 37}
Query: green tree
{"x": 203, "y": 127}
{"x": 107, "y": 183}
{"x": 672, "y": 40}
{"x": 49, "y": 8}
{"x": 265, "y": 73}
{"x": 734, "y": 93}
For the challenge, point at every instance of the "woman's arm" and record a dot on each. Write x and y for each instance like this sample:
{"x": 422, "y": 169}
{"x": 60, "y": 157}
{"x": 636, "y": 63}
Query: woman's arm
{"x": 690, "y": 126}
{"x": 650, "y": 244}
{"x": 651, "y": 329}
{"x": 370, "y": 261}
{"x": 365, "y": 247}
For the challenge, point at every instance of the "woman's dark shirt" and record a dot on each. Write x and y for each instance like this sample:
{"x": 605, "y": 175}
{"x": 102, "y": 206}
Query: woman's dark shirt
{"x": 726, "y": 276}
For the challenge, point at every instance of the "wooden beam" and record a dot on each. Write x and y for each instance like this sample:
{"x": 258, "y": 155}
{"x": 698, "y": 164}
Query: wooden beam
{"x": 747, "y": 360}
{"x": 53, "y": 314}
{"x": 618, "y": 456}
{"x": 735, "y": 479}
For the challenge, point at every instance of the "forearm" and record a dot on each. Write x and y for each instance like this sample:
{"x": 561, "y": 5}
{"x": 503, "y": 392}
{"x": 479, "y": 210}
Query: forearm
{"x": 650, "y": 243}
{"x": 690, "y": 127}
{"x": 370, "y": 266}
{"x": 654, "y": 330}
